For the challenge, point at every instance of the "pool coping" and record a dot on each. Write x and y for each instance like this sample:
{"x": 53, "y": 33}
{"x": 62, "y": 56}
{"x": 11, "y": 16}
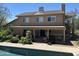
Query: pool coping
{"x": 42, "y": 46}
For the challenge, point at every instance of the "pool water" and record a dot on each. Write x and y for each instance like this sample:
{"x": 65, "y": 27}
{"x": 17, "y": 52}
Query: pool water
{"x": 5, "y": 53}
{"x": 13, "y": 51}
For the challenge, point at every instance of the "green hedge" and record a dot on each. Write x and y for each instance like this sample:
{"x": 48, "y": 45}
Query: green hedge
{"x": 15, "y": 39}
{"x": 8, "y": 38}
{"x": 25, "y": 40}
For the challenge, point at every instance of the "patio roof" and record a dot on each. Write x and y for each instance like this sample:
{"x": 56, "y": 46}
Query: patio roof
{"x": 41, "y": 27}
{"x": 70, "y": 15}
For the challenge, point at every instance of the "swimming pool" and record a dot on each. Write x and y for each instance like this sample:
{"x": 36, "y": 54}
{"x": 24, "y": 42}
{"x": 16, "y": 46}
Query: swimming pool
{"x": 5, "y": 53}
{"x": 12, "y": 51}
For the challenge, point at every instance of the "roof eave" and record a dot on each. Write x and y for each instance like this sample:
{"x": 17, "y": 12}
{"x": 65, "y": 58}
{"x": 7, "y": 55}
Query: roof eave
{"x": 38, "y": 14}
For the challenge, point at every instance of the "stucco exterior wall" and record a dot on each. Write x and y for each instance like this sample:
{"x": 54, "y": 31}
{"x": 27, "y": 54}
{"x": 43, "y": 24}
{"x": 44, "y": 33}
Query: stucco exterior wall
{"x": 59, "y": 21}
{"x": 20, "y": 21}
{"x": 33, "y": 22}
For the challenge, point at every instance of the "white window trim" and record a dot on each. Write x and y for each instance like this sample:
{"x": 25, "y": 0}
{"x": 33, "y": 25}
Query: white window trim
{"x": 52, "y": 21}
{"x": 39, "y": 20}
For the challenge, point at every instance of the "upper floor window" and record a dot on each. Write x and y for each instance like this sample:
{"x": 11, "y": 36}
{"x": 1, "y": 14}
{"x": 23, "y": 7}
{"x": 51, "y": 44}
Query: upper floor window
{"x": 40, "y": 19}
{"x": 26, "y": 19}
{"x": 52, "y": 18}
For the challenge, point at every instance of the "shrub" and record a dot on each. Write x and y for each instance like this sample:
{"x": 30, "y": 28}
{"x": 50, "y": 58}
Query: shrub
{"x": 29, "y": 37}
{"x": 24, "y": 40}
{"x": 14, "y": 39}
{"x": 77, "y": 42}
{"x": 8, "y": 38}
{"x": 30, "y": 40}
{"x": 4, "y": 32}
{"x": 18, "y": 36}
{"x": 2, "y": 38}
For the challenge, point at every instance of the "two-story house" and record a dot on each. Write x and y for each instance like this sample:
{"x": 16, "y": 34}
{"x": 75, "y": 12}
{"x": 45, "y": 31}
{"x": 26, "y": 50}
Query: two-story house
{"x": 42, "y": 24}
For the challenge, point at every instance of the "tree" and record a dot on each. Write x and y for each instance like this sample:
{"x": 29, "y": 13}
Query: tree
{"x": 77, "y": 22}
{"x": 73, "y": 31}
{"x": 73, "y": 21}
{"x": 4, "y": 14}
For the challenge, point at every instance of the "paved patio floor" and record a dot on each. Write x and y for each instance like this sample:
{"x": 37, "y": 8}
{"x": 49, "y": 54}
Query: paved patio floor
{"x": 43, "y": 46}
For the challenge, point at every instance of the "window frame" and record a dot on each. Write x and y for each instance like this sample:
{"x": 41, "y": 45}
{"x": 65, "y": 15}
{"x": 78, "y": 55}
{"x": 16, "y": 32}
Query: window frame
{"x": 38, "y": 19}
{"x": 52, "y": 19}
{"x": 26, "y": 19}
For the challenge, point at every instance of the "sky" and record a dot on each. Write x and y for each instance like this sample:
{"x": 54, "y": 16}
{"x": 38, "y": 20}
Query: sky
{"x": 17, "y": 8}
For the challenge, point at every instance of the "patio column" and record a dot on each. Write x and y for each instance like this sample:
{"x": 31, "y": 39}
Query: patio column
{"x": 48, "y": 34}
{"x": 39, "y": 32}
{"x": 64, "y": 35}
{"x": 34, "y": 34}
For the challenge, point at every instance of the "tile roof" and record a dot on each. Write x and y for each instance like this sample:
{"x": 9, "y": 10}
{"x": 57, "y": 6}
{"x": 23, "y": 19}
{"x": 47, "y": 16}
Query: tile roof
{"x": 40, "y": 13}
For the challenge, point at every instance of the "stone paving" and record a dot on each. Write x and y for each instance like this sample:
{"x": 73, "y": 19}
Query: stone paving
{"x": 43, "y": 46}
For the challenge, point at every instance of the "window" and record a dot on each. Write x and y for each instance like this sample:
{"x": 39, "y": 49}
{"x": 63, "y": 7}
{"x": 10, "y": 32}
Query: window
{"x": 40, "y": 19}
{"x": 52, "y": 18}
{"x": 26, "y": 19}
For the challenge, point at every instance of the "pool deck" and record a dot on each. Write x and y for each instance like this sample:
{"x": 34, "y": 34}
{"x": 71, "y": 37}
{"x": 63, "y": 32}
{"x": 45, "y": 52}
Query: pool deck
{"x": 42, "y": 46}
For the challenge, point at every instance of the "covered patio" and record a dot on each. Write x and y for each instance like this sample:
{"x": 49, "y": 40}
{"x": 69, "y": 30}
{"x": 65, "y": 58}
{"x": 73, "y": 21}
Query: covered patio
{"x": 46, "y": 28}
